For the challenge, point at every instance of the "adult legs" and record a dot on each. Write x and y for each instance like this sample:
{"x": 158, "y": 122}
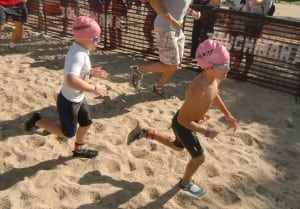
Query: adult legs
{"x": 18, "y": 32}
{"x": 159, "y": 67}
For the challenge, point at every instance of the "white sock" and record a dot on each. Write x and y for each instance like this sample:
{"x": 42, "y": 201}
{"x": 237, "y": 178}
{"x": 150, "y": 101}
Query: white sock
{"x": 12, "y": 44}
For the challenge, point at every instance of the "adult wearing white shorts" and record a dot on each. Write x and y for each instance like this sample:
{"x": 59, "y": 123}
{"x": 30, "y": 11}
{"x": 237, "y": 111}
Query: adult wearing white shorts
{"x": 170, "y": 41}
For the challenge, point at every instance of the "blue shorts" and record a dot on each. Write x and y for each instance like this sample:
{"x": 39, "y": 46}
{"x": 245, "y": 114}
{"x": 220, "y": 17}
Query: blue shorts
{"x": 71, "y": 113}
{"x": 17, "y": 13}
{"x": 186, "y": 138}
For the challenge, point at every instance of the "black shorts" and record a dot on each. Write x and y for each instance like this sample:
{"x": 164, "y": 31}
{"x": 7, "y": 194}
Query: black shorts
{"x": 71, "y": 113}
{"x": 186, "y": 138}
{"x": 17, "y": 13}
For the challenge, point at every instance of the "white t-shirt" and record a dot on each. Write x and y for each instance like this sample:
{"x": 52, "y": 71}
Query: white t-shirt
{"x": 177, "y": 8}
{"x": 77, "y": 62}
{"x": 259, "y": 9}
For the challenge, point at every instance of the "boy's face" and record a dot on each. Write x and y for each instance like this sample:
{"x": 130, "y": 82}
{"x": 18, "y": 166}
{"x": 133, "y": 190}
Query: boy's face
{"x": 90, "y": 44}
{"x": 93, "y": 42}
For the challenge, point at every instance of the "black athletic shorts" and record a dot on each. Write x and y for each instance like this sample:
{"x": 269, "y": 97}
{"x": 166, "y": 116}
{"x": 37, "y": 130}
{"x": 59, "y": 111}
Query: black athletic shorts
{"x": 17, "y": 13}
{"x": 71, "y": 113}
{"x": 186, "y": 138}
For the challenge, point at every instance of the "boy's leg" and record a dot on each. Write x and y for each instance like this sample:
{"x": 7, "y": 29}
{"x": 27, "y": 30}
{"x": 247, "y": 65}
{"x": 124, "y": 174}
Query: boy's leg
{"x": 166, "y": 140}
{"x": 80, "y": 150}
{"x": 37, "y": 121}
{"x": 82, "y": 134}
{"x": 185, "y": 183}
{"x": 151, "y": 134}
{"x": 84, "y": 120}
{"x": 191, "y": 168}
{"x": 50, "y": 127}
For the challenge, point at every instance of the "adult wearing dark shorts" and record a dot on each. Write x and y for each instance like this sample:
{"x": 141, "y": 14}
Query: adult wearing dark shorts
{"x": 17, "y": 11}
{"x": 202, "y": 92}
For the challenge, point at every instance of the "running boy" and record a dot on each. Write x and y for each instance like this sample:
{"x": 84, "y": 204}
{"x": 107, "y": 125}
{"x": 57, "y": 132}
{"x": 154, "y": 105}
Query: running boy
{"x": 71, "y": 104}
{"x": 202, "y": 92}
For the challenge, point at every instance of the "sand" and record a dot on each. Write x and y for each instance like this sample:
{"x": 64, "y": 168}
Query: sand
{"x": 256, "y": 167}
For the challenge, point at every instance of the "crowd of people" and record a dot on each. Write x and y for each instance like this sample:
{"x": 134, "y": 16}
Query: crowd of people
{"x": 166, "y": 19}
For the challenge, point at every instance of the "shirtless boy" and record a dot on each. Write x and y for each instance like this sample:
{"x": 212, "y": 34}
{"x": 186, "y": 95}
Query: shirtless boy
{"x": 202, "y": 92}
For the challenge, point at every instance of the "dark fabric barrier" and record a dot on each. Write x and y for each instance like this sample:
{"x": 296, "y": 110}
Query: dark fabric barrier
{"x": 264, "y": 50}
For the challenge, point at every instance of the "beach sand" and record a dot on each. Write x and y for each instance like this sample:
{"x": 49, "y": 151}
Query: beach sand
{"x": 256, "y": 167}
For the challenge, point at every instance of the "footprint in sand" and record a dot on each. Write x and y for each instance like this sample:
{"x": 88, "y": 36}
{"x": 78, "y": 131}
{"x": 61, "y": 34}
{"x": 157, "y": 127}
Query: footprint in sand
{"x": 262, "y": 190}
{"x": 225, "y": 194}
{"x": 38, "y": 142}
{"x": 132, "y": 166}
{"x": 149, "y": 171}
{"x": 114, "y": 166}
{"x": 212, "y": 171}
{"x": 249, "y": 140}
{"x": 139, "y": 153}
{"x": 241, "y": 180}
{"x": 5, "y": 203}
{"x": 153, "y": 192}
{"x": 246, "y": 138}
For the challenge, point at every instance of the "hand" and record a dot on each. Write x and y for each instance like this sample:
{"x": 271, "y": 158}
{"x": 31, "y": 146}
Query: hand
{"x": 211, "y": 133}
{"x": 176, "y": 25}
{"x": 205, "y": 117}
{"x": 195, "y": 14}
{"x": 100, "y": 90}
{"x": 99, "y": 73}
{"x": 232, "y": 122}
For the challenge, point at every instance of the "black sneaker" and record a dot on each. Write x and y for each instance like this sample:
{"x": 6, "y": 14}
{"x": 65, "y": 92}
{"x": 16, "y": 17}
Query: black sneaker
{"x": 159, "y": 92}
{"x": 14, "y": 49}
{"x": 136, "y": 134}
{"x": 30, "y": 124}
{"x": 136, "y": 77}
{"x": 86, "y": 153}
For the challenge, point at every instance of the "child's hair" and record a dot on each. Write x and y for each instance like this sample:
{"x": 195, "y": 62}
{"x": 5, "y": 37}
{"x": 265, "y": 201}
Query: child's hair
{"x": 210, "y": 53}
{"x": 85, "y": 27}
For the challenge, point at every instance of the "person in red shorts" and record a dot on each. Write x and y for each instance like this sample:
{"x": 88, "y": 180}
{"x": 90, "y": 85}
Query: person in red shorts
{"x": 17, "y": 11}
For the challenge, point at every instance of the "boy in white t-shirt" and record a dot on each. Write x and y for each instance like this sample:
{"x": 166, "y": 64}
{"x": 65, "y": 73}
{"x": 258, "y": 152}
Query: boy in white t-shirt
{"x": 71, "y": 104}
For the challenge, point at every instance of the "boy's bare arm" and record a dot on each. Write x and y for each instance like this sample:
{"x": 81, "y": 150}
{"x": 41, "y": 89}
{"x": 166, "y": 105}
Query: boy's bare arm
{"x": 81, "y": 85}
{"x": 218, "y": 102}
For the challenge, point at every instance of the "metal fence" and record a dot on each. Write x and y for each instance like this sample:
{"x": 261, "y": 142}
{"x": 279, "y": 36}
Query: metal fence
{"x": 264, "y": 50}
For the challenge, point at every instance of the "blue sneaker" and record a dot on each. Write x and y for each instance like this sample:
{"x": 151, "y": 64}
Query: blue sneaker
{"x": 192, "y": 188}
